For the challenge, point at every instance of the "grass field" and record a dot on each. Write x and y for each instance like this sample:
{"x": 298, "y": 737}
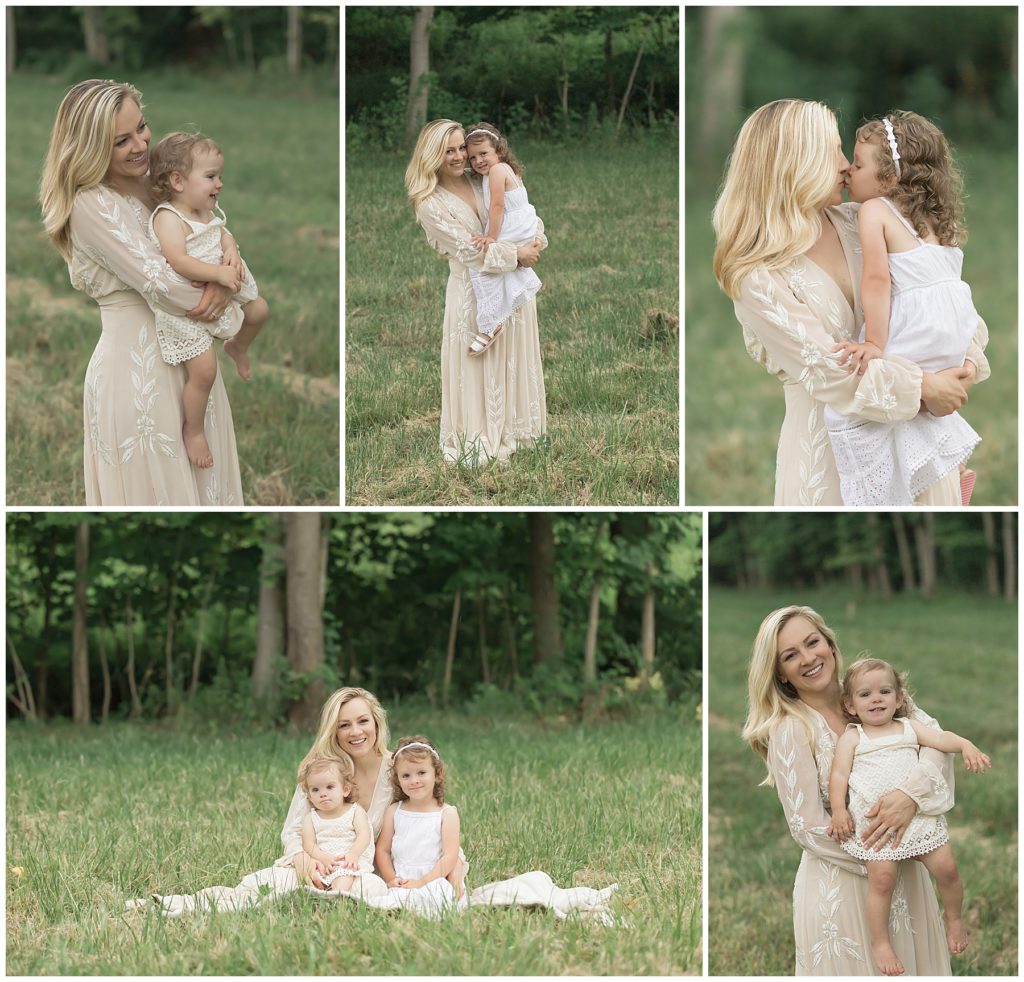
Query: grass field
{"x": 608, "y": 316}
{"x": 97, "y": 817}
{"x": 961, "y": 652}
{"x": 282, "y": 203}
{"x": 734, "y": 409}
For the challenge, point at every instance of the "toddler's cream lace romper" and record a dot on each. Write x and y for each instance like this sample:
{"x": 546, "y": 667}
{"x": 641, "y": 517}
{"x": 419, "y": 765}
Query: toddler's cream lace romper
{"x": 182, "y": 338}
{"x": 336, "y": 836}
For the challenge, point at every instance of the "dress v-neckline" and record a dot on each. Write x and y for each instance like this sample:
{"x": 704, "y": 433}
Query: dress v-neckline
{"x": 846, "y": 259}
{"x": 462, "y": 201}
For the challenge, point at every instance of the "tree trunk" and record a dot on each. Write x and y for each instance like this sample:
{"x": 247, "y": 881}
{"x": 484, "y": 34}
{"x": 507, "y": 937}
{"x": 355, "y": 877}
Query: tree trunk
{"x": 305, "y": 613}
{"x": 878, "y": 548}
{"x": 722, "y": 70}
{"x": 629, "y": 86}
{"x": 547, "y": 632}
{"x": 12, "y": 41}
{"x": 647, "y": 635}
{"x": 924, "y": 534}
{"x": 1009, "y": 555}
{"x": 590, "y": 648}
{"x": 510, "y": 637}
{"x": 270, "y": 630}
{"x": 609, "y": 74}
{"x": 197, "y": 655}
{"x": 95, "y": 30}
{"x": 101, "y": 649}
{"x": 170, "y": 682}
{"x": 43, "y": 663}
{"x": 419, "y": 65}
{"x": 988, "y": 524}
{"x": 481, "y": 609}
{"x": 79, "y": 644}
{"x": 903, "y": 550}
{"x": 136, "y": 710}
{"x": 294, "y": 40}
{"x": 449, "y": 659}
{"x": 22, "y": 695}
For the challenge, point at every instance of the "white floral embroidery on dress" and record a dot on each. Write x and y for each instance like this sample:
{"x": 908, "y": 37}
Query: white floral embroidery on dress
{"x": 899, "y": 913}
{"x": 93, "y": 380}
{"x": 146, "y": 392}
{"x": 829, "y": 902}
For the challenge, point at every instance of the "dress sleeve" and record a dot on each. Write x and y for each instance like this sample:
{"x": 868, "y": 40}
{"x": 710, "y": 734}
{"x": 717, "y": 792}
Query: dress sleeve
{"x": 931, "y": 783}
{"x": 105, "y": 227}
{"x": 450, "y": 237}
{"x": 291, "y": 834}
{"x": 976, "y": 352}
{"x": 786, "y": 337}
{"x": 795, "y": 773}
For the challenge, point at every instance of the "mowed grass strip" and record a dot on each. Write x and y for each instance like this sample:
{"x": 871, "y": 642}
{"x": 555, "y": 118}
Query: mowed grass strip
{"x": 100, "y": 816}
{"x": 281, "y": 199}
{"x": 608, "y": 315}
{"x": 734, "y": 409}
{"x": 961, "y": 653}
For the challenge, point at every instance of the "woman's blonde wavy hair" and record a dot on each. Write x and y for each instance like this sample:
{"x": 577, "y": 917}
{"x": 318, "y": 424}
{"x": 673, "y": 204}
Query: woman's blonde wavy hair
{"x": 770, "y": 700}
{"x": 781, "y": 173}
{"x": 930, "y": 188}
{"x": 81, "y": 145}
{"x": 427, "y": 158}
{"x": 326, "y": 742}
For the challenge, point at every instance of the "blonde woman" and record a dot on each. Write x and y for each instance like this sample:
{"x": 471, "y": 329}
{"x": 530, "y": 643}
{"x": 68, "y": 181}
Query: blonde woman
{"x": 794, "y": 721}
{"x": 489, "y": 406}
{"x": 789, "y": 257}
{"x": 96, "y": 204}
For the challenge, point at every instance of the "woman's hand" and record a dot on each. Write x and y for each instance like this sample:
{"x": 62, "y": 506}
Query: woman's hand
{"x": 309, "y": 870}
{"x": 945, "y": 392}
{"x": 892, "y": 813}
{"x": 528, "y": 254}
{"x": 213, "y": 302}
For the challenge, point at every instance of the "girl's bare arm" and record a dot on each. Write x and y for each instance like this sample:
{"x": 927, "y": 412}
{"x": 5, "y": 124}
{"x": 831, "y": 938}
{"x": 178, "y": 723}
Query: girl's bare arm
{"x": 382, "y": 856}
{"x": 171, "y": 236}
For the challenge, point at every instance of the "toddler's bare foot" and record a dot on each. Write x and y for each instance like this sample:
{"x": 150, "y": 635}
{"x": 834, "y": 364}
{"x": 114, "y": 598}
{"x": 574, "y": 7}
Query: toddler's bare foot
{"x": 198, "y": 449}
{"x": 956, "y": 935}
{"x": 885, "y": 958}
{"x": 240, "y": 356}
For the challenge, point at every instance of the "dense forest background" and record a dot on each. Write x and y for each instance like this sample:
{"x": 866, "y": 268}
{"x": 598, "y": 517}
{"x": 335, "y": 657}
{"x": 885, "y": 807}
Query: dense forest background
{"x": 256, "y": 617}
{"x": 584, "y": 72}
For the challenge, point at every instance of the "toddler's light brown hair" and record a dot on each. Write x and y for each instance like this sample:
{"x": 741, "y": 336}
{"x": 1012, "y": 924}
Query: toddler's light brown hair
{"x": 174, "y": 154}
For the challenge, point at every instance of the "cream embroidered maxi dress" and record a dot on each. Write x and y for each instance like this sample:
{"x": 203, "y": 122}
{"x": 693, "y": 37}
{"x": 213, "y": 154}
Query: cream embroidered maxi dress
{"x": 134, "y": 453}
{"x": 830, "y": 892}
{"x": 791, "y": 319}
{"x": 490, "y": 404}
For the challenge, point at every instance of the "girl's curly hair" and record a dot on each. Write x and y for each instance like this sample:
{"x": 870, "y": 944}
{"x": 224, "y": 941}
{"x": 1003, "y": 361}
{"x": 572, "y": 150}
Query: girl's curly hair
{"x": 342, "y": 765}
{"x": 862, "y": 665}
{"x": 930, "y": 188}
{"x": 174, "y": 154}
{"x": 494, "y": 137}
{"x": 417, "y": 754}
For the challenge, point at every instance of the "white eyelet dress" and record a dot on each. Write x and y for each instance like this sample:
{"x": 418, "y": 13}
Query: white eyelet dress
{"x": 931, "y": 322}
{"x": 336, "y": 836}
{"x": 182, "y": 338}
{"x": 498, "y": 295}
{"x": 415, "y": 851}
{"x": 880, "y": 765}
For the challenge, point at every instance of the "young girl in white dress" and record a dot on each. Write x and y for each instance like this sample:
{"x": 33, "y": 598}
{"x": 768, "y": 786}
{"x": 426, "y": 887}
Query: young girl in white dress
{"x": 915, "y": 306}
{"x": 872, "y": 758}
{"x": 185, "y": 172}
{"x": 510, "y": 218}
{"x": 418, "y": 847}
{"x": 337, "y": 831}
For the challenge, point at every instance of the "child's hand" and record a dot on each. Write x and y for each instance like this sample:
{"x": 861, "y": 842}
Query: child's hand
{"x": 842, "y": 825}
{"x": 350, "y": 860}
{"x": 398, "y": 881}
{"x": 228, "y": 276}
{"x": 482, "y": 241}
{"x": 857, "y": 356}
{"x": 233, "y": 259}
{"x": 974, "y": 760}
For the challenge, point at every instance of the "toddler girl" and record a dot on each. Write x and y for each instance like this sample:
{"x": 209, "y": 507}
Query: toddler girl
{"x": 510, "y": 218}
{"x": 418, "y": 847}
{"x": 185, "y": 171}
{"x": 337, "y": 831}
{"x": 915, "y": 306}
{"x": 872, "y": 758}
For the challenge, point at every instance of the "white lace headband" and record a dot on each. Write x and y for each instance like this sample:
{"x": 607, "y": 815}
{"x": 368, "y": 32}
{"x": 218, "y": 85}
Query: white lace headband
{"x": 413, "y": 746}
{"x": 493, "y": 136}
{"x": 893, "y": 149}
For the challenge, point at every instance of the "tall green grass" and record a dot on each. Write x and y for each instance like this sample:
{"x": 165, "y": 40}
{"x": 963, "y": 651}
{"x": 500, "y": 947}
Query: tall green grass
{"x": 100, "y": 816}
{"x": 281, "y": 178}
{"x": 734, "y": 409}
{"x": 608, "y": 316}
{"x": 961, "y": 653}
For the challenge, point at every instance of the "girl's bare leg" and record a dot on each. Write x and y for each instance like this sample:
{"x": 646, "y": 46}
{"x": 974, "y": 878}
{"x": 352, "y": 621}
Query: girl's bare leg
{"x": 881, "y": 883}
{"x": 942, "y": 866}
{"x": 257, "y": 313}
{"x": 202, "y": 372}
{"x": 343, "y": 884}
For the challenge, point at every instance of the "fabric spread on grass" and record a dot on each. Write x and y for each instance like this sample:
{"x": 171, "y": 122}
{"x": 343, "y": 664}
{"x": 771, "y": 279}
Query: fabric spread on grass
{"x": 435, "y": 899}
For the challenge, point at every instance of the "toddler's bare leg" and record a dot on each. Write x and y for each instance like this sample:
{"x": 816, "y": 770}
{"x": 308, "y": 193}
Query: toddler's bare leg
{"x": 257, "y": 313}
{"x": 942, "y": 866}
{"x": 881, "y": 883}
{"x": 202, "y": 372}
{"x": 342, "y": 884}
